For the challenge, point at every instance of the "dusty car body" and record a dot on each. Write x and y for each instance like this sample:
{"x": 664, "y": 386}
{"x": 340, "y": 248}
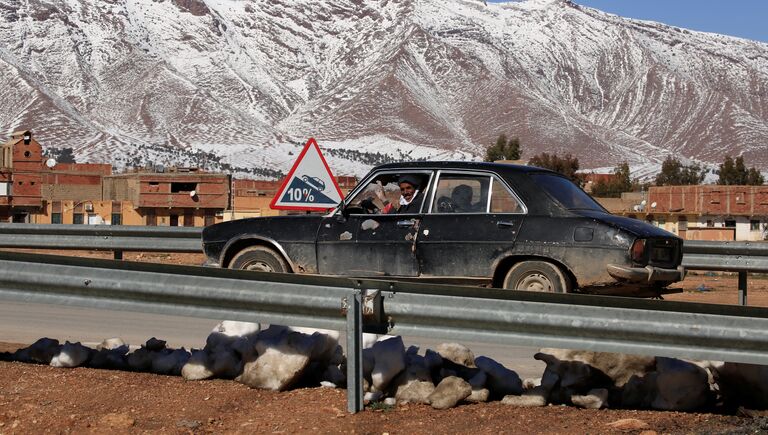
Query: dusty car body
{"x": 489, "y": 224}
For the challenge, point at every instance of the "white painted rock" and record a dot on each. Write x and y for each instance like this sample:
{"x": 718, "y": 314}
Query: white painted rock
{"x": 415, "y": 392}
{"x": 457, "y": 353}
{"x": 594, "y": 399}
{"x": 71, "y": 355}
{"x": 112, "y": 344}
{"x": 196, "y": 368}
{"x": 326, "y": 342}
{"x": 449, "y": 392}
{"x": 501, "y": 380}
{"x": 480, "y": 395}
{"x": 280, "y": 362}
{"x": 389, "y": 361}
{"x": 618, "y": 367}
{"x": 526, "y": 401}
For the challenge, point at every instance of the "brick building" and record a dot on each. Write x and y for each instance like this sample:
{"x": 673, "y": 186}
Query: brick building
{"x": 35, "y": 191}
{"x": 20, "y": 178}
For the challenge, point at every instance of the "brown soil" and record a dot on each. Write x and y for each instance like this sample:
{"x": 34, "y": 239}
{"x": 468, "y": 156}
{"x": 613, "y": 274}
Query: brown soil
{"x": 36, "y": 399}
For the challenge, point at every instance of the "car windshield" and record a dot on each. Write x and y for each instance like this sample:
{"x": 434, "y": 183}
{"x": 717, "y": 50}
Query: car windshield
{"x": 566, "y": 192}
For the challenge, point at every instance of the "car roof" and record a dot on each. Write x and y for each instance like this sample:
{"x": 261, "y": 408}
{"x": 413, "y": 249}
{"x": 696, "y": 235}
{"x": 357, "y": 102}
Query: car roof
{"x": 488, "y": 166}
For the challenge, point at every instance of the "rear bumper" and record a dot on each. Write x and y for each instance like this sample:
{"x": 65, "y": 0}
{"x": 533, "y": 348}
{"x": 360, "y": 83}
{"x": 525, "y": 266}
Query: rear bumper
{"x": 647, "y": 274}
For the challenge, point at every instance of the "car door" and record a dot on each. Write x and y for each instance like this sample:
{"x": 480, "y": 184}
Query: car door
{"x": 473, "y": 220}
{"x": 374, "y": 244}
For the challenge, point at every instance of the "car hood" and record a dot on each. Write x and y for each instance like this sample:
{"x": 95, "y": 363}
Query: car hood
{"x": 634, "y": 226}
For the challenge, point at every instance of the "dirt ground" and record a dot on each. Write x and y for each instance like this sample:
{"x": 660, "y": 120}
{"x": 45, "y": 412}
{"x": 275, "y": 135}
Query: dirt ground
{"x": 37, "y": 399}
{"x": 42, "y": 399}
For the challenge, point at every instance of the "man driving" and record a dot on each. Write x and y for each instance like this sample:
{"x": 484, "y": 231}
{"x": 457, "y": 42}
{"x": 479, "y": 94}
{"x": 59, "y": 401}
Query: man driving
{"x": 410, "y": 196}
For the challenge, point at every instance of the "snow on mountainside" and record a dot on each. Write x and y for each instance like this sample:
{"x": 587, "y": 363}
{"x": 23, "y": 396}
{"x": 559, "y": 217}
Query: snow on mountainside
{"x": 195, "y": 81}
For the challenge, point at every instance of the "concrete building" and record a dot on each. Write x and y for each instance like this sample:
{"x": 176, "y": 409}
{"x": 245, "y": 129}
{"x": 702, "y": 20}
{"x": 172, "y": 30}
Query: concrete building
{"x": 706, "y": 212}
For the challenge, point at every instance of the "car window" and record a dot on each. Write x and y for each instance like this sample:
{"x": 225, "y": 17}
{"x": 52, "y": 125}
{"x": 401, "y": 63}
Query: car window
{"x": 502, "y": 200}
{"x": 461, "y": 193}
{"x": 566, "y": 192}
{"x": 382, "y": 194}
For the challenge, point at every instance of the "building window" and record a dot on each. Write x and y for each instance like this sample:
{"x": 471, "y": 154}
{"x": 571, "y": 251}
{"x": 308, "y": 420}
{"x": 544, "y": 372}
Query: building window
{"x": 117, "y": 219}
{"x": 173, "y": 220}
{"x": 55, "y": 218}
{"x": 754, "y": 225}
{"x": 151, "y": 218}
{"x": 183, "y": 187}
{"x": 730, "y": 223}
{"x": 77, "y": 219}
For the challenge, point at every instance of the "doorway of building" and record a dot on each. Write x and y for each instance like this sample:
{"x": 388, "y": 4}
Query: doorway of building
{"x": 174, "y": 220}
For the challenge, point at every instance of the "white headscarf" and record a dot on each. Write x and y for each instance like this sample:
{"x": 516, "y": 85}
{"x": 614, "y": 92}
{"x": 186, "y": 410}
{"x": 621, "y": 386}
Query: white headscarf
{"x": 403, "y": 201}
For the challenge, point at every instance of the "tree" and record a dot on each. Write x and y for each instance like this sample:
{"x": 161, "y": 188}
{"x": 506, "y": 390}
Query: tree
{"x": 503, "y": 149}
{"x": 735, "y": 172}
{"x": 615, "y": 187}
{"x": 61, "y": 155}
{"x": 567, "y": 165}
{"x": 674, "y": 173}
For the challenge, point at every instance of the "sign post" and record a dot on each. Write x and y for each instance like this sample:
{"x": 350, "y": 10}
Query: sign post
{"x": 310, "y": 185}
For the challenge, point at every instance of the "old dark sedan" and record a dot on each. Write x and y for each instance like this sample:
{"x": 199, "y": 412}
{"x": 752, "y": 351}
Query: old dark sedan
{"x": 492, "y": 224}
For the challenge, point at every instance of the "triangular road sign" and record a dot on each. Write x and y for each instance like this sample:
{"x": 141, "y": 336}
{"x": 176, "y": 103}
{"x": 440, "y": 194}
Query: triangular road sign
{"x": 310, "y": 185}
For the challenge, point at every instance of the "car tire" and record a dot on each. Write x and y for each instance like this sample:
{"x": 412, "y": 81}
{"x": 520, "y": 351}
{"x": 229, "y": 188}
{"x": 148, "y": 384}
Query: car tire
{"x": 538, "y": 276}
{"x": 259, "y": 258}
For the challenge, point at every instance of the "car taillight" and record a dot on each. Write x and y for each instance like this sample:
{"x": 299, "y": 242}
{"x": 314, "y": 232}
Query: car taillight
{"x": 637, "y": 252}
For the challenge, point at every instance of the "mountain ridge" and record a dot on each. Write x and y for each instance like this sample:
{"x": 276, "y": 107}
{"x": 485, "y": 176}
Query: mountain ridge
{"x": 135, "y": 81}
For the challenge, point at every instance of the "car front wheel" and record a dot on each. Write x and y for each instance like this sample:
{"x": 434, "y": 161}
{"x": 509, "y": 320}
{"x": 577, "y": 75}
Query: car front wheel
{"x": 259, "y": 258}
{"x": 537, "y": 276}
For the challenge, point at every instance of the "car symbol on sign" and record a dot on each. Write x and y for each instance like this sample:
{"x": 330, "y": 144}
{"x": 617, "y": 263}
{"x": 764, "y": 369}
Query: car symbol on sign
{"x": 314, "y": 182}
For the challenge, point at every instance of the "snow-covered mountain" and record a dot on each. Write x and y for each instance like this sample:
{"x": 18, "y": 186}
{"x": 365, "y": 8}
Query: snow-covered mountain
{"x": 194, "y": 81}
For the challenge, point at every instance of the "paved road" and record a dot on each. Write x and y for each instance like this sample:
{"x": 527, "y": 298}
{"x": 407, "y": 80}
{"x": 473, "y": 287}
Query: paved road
{"x": 25, "y": 323}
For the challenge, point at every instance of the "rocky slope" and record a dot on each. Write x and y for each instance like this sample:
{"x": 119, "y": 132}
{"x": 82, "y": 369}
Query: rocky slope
{"x": 202, "y": 81}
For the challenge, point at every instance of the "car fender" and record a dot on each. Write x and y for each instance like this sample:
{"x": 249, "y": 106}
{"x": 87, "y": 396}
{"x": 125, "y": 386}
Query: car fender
{"x": 227, "y": 254}
{"x": 507, "y": 259}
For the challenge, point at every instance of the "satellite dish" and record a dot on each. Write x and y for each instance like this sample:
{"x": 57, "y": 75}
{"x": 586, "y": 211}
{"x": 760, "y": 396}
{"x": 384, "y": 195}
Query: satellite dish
{"x": 653, "y": 205}
{"x": 193, "y": 193}
{"x": 636, "y": 207}
{"x": 50, "y": 163}
{"x": 643, "y": 202}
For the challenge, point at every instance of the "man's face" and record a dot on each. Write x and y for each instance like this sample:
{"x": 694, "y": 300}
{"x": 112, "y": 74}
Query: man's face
{"x": 407, "y": 190}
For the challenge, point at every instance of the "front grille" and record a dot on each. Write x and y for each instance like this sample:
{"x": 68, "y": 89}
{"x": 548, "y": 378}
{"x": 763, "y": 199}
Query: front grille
{"x": 664, "y": 252}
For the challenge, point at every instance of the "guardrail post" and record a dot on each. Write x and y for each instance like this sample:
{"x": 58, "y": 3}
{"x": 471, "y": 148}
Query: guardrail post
{"x": 355, "y": 352}
{"x": 118, "y": 255}
{"x": 742, "y": 287}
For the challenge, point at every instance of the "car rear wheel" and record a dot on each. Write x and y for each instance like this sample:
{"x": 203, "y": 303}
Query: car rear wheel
{"x": 259, "y": 258}
{"x": 537, "y": 276}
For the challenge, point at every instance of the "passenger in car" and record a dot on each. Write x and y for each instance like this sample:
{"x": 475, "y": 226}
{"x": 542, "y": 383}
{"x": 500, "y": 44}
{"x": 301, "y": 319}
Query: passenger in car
{"x": 410, "y": 196}
{"x": 461, "y": 196}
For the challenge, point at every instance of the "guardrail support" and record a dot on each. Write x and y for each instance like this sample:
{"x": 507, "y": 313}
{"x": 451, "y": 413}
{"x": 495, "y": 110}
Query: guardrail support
{"x": 742, "y": 288}
{"x": 118, "y": 255}
{"x": 355, "y": 352}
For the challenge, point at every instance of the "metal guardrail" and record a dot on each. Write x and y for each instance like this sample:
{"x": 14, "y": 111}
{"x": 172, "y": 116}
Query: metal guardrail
{"x": 741, "y": 257}
{"x": 116, "y": 238}
{"x": 646, "y": 327}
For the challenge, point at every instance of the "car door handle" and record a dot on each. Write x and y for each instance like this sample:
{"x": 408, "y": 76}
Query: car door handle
{"x": 505, "y": 224}
{"x": 406, "y": 223}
